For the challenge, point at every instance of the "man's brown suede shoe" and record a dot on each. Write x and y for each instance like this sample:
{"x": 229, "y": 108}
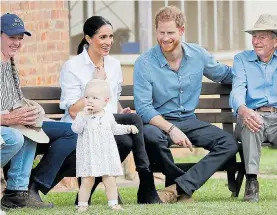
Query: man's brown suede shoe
{"x": 184, "y": 199}
{"x": 168, "y": 194}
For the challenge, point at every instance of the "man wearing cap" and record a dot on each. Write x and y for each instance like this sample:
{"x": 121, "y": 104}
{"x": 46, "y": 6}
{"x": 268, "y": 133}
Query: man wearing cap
{"x": 22, "y": 127}
{"x": 254, "y": 98}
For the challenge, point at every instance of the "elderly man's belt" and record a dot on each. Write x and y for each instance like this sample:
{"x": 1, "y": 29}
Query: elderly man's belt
{"x": 267, "y": 109}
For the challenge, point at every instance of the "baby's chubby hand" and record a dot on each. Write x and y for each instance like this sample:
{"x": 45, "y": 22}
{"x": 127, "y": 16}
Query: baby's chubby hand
{"x": 88, "y": 110}
{"x": 133, "y": 129}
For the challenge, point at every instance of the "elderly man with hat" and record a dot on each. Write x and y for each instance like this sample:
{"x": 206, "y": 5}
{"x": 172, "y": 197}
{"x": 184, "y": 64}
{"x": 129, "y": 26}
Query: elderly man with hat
{"x": 254, "y": 98}
{"x": 23, "y": 126}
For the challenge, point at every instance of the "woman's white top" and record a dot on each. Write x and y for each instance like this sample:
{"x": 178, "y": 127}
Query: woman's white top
{"x": 78, "y": 71}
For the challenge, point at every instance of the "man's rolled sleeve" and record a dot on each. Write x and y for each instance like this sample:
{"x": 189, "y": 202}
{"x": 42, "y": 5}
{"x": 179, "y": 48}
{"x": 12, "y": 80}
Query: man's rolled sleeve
{"x": 143, "y": 91}
{"x": 238, "y": 93}
{"x": 216, "y": 71}
{"x": 70, "y": 87}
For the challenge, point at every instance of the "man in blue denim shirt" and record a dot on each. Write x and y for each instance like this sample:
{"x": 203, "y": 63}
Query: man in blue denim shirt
{"x": 254, "y": 98}
{"x": 167, "y": 85}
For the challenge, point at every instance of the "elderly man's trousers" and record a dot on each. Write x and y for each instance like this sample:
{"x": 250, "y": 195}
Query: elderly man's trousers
{"x": 252, "y": 141}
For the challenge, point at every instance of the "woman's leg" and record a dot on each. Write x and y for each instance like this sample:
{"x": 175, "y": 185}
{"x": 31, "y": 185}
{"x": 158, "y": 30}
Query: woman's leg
{"x": 147, "y": 193}
{"x": 62, "y": 143}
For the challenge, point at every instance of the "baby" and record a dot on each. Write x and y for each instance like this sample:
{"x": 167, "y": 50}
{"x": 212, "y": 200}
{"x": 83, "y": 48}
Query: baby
{"x": 96, "y": 153}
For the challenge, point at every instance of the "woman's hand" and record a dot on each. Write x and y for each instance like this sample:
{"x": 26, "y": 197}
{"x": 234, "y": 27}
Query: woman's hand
{"x": 126, "y": 110}
{"x": 99, "y": 73}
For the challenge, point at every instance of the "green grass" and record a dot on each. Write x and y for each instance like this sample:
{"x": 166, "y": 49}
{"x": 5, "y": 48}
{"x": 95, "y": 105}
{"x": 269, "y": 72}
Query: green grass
{"x": 213, "y": 198}
{"x": 268, "y": 163}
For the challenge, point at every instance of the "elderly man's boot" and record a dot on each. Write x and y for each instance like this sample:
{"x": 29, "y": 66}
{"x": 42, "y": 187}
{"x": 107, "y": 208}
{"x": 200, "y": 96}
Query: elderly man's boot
{"x": 251, "y": 190}
{"x": 147, "y": 193}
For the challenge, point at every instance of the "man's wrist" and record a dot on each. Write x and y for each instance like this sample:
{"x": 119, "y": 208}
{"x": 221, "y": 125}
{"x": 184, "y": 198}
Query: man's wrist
{"x": 240, "y": 108}
{"x": 170, "y": 129}
{"x": 5, "y": 119}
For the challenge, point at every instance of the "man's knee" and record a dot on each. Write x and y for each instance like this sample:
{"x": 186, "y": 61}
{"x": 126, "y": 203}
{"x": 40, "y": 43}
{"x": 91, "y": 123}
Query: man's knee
{"x": 231, "y": 143}
{"x": 154, "y": 137}
{"x": 15, "y": 139}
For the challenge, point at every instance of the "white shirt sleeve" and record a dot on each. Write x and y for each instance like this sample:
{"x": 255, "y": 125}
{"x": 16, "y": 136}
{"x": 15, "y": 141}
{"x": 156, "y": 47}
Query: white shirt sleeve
{"x": 120, "y": 82}
{"x": 70, "y": 87}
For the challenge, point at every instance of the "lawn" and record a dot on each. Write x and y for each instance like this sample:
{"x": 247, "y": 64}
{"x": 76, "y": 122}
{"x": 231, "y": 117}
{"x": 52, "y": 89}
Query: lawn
{"x": 268, "y": 163}
{"x": 211, "y": 199}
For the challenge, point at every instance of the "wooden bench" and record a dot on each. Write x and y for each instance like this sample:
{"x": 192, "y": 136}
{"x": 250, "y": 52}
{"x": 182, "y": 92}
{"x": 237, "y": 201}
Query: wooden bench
{"x": 217, "y": 110}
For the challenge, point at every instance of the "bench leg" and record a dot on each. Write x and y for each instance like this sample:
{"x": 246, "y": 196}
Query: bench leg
{"x": 239, "y": 181}
{"x": 240, "y": 174}
{"x": 231, "y": 175}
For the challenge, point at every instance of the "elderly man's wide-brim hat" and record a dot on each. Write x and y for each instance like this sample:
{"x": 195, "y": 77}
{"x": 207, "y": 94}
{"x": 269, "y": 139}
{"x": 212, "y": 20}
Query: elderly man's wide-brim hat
{"x": 266, "y": 22}
{"x": 34, "y": 132}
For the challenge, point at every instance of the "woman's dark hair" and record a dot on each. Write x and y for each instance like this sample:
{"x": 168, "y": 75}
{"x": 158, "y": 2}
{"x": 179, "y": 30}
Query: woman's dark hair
{"x": 90, "y": 28}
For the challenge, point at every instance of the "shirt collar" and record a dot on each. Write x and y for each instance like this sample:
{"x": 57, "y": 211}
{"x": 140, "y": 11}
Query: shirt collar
{"x": 252, "y": 56}
{"x": 86, "y": 56}
{"x": 161, "y": 58}
{"x": 275, "y": 53}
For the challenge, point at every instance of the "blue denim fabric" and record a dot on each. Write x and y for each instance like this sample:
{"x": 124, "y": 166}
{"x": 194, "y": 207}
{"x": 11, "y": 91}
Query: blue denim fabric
{"x": 62, "y": 143}
{"x": 254, "y": 82}
{"x": 21, "y": 151}
{"x": 158, "y": 90}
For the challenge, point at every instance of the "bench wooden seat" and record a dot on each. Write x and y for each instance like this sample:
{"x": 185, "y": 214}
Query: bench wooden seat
{"x": 214, "y": 100}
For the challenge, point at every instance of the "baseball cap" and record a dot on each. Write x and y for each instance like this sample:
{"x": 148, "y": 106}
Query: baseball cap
{"x": 12, "y": 25}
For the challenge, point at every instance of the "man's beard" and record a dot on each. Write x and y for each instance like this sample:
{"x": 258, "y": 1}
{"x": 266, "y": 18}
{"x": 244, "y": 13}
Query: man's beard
{"x": 170, "y": 48}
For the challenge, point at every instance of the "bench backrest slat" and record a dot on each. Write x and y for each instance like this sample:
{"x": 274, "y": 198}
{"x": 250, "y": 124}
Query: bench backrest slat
{"x": 51, "y": 97}
{"x": 204, "y": 103}
{"x": 42, "y": 93}
{"x": 207, "y": 89}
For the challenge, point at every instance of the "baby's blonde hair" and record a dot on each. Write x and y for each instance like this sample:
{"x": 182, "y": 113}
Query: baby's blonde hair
{"x": 170, "y": 13}
{"x": 100, "y": 85}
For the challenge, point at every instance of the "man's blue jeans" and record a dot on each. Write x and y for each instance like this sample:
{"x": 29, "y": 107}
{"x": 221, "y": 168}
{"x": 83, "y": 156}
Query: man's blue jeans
{"x": 21, "y": 152}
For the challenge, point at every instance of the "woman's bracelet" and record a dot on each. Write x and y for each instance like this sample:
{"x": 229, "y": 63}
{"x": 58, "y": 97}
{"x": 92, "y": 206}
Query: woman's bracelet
{"x": 170, "y": 129}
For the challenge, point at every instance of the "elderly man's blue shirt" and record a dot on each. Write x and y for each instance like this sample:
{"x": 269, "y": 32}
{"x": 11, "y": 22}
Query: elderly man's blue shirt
{"x": 158, "y": 90}
{"x": 254, "y": 82}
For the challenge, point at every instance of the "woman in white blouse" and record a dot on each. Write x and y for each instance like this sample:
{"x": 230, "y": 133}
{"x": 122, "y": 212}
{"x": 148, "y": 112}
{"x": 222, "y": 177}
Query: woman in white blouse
{"x": 94, "y": 62}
